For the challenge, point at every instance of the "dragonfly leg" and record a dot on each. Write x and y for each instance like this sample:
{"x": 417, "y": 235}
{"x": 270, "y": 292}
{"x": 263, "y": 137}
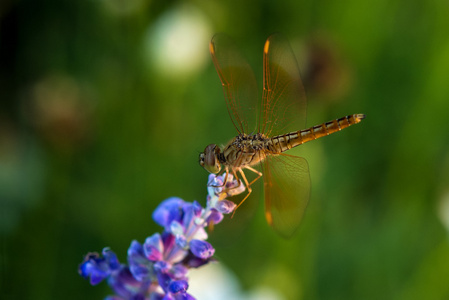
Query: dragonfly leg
{"x": 259, "y": 174}
{"x": 248, "y": 186}
{"x": 239, "y": 183}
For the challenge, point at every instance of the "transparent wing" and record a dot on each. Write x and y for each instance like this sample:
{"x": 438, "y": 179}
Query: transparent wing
{"x": 284, "y": 102}
{"x": 287, "y": 192}
{"x": 239, "y": 83}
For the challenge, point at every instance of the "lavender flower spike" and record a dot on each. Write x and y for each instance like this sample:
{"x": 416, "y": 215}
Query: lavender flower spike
{"x": 157, "y": 269}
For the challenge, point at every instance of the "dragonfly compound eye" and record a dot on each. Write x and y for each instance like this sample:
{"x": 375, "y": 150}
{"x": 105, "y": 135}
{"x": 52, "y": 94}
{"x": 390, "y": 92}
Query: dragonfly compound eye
{"x": 201, "y": 159}
{"x": 211, "y": 163}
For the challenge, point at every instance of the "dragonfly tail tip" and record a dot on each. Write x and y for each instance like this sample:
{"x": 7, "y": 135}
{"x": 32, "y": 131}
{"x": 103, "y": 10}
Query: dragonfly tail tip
{"x": 360, "y": 117}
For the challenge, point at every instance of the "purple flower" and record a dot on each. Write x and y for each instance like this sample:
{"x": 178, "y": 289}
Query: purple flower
{"x": 98, "y": 268}
{"x": 225, "y": 206}
{"x": 192, "y": 261}
{"x": 157, "y": 269}
{"x": 126, "y": 286}
{"x": 154, "y": 247}
{"x": 218, "y": 191}
{"x": 178, "y": 286}
{"x": 201, "y": 249}
{"x": 168, "y": 211}
{"x": 139, "y": 265}
{"x": 215, "y": 217}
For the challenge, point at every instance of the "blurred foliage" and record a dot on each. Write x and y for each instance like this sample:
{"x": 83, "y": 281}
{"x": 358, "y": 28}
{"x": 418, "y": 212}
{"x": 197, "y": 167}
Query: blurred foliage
{"x": 105, "y": 106}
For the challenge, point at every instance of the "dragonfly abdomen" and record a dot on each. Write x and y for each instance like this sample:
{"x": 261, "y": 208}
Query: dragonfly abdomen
{"x": 290, "y": 140}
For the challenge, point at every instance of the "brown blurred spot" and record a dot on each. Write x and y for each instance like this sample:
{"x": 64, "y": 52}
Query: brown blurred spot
{"x": 326, "y": 74}
{"x": 61, "y": 111}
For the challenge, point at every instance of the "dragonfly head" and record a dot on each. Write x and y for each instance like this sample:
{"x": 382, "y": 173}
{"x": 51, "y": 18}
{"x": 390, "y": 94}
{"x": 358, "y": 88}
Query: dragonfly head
{"x": 209, "y": 159}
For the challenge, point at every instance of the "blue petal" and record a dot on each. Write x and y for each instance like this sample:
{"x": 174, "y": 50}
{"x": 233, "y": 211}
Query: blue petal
{"x": 164, "y": 280}
{"x": 111, "y": 258}
{"x": 181, "y": 241}
{"x": 153, "y": 247}
{"x": 113, "y": 298}
{"x": 161, "y": 267}
{"x": 184, "y": 296}
{"x": 98, "y": 268}
{"x": 135, "y": 248}
{"x": 125, "y": 285}
{"x": 97, "y": 276}
{"x": 178, "y": 286}
{"x": 191, "y": 261}
{"x": 139, "y": 265}
{"x": 169, "y": 210}
{"x": 179, "y": 271}
{"x": 213, "y": 179}
{"x": 136, "y": 253}
{"x": 168, "y": 240}
{"x": 189, "y": 215}
{"x": 215, "y": 216}
{"x": 225, "y": 206}
{"x": 197, "y": 208}
{"x": 156, "y": 296}
{"x": 140, "y": 272}
{"x": 201, "y": 249}
{"x": 212, "y": 183}
{"x": 176, "y": 228}
{"x": 86, "y": 266}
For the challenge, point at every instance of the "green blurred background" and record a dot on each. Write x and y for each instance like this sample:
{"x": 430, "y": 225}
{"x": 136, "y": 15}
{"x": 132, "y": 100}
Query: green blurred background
{"x": 105, "y": 105}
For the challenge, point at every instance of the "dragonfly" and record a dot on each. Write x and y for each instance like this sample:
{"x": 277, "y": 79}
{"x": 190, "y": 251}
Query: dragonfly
{"x": 267, "y": 129}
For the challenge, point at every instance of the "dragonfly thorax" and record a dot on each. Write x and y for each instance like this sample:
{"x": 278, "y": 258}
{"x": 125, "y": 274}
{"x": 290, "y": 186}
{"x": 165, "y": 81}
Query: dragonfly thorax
{"x": 245, "y": 150}
{"x": 250, "y": 143}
